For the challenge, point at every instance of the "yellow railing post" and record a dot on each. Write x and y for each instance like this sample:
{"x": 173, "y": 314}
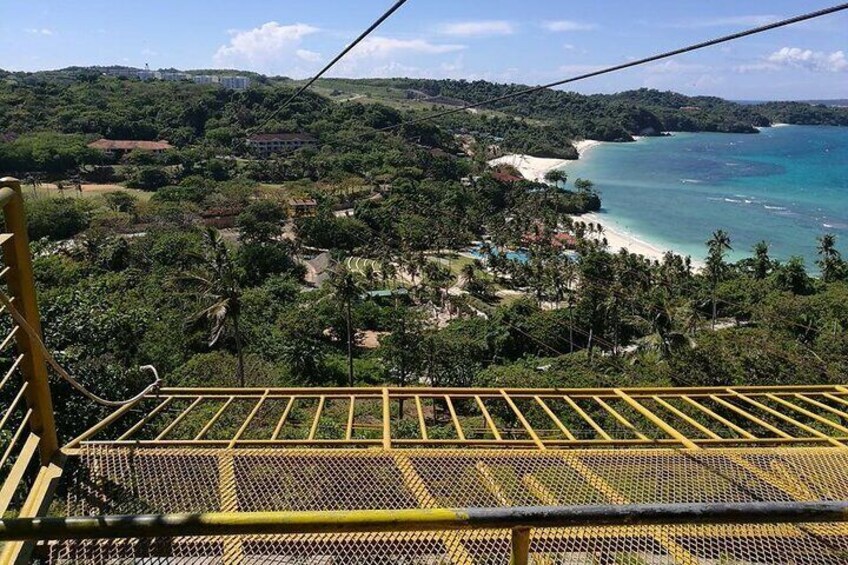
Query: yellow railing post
{"x": 16, "y": 255}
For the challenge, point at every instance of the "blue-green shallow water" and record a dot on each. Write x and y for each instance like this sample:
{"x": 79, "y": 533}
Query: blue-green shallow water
{"x": 786, "y": 185}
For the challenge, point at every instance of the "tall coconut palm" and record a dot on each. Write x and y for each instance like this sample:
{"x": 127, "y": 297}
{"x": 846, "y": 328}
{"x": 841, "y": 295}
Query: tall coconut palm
{"x": 346, "y": 291}
{"x": 830, "y": 261}
{"x": 762, "y": 262}
{"x": 216, "y": 283}
{"x": 717, "y": 245}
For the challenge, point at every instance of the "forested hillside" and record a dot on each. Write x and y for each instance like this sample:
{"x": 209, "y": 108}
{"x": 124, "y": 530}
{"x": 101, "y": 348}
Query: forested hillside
{"x": 439, "y": 269}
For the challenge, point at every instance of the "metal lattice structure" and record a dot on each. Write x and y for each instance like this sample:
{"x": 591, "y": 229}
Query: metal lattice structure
{"x": 749, "y": 475}
{"x": 127, "y": 480}
{"x": 388, "y": 418}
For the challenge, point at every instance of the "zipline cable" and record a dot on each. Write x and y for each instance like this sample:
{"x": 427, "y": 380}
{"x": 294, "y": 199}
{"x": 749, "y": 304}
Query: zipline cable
{"x": 335, "y": 60}
{"x": 629, "y": 64}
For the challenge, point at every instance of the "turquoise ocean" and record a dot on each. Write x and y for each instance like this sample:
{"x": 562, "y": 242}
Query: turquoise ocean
{"x": 786, "y": 185}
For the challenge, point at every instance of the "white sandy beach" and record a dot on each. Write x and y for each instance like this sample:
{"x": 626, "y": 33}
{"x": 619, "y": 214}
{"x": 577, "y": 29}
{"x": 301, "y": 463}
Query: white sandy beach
{"x": 618, "y": 238}
{"x": 534, "y": 168}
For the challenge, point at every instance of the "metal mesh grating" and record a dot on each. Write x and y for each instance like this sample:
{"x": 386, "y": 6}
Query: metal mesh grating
{"x": 115, "y": 480}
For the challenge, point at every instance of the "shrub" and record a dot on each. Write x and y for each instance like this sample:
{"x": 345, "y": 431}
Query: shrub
{"x": 57, "y": 218}
{"x": 148, "y": 178}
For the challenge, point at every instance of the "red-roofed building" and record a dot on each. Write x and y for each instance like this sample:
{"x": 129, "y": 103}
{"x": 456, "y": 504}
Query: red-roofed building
{"x": 505, "y": 177}
{"x": 121, "y": 147}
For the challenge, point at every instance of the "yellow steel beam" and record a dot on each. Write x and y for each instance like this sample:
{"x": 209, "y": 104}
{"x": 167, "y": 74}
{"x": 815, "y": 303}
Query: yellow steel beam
{"x": 422, "y": 424}
{"x": 817, "y": 417}
{"x": 488, "y": 417}
{"x": 16, "y": 473}
{"x": 686, "y": 418}
{"x": 247, "y": 420}
{"x": 20, "y": 281}
{"x": 228, "y": 499}
{"x": 487, "y": 477}
{"x": 387, "y": 420}
{"x": 205, "y": 429}
{"x": 283, "y": 418}
{"x": 317, "y": 418}
{"x": 11, "y": 370}
{"x": 656, "y": 420}
{"x": 741, "y": 431}
{"x": 750, "y": 417}
{"x": 588, "y": 419}
{"x": 680, "y": 554}
{"x": 792, "y": 421}
{"x": 520, "y": 546}
{"x": 103, "y": 424}
{"x": 175, "y": 422}
{"x": 149, "y": 416}
{"x": 843, "y": 416}
{"x": 9, "y": 337}
{"x": 565, "y": 431}
{"x": 454, "y": 418}
{"x": 351, "y": 411}
{"x": 36, "y": 504}
{"x": 418, "y": 488}
{"x": 620, "y": 419}
{"x": 11, "y": 409}
{"x": 15, "y": 437}
{"x": 523, "y": 420}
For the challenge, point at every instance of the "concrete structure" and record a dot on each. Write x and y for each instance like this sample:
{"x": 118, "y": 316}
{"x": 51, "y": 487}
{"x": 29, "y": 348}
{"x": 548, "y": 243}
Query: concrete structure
{"x": 265, "y": 145}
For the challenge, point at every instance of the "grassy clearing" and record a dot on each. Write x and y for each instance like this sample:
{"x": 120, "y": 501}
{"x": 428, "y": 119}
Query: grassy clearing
{"x": 49, "y": 190}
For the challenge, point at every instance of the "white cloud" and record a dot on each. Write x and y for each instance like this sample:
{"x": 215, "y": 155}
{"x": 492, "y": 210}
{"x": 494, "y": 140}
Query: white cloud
{"x": 477, "y": 28}
{"x": 568, "y": 25}
{"x": 383, "y": 47}
{"x": 671, "y": 66}
{"x": 797, "y": 58}
{"x": 310, "y": 56}
{"x": 568, "y": 46}
{"x": 39, "y": 31}
{"x": 809, "y": 59}
{"x": 148, "y": 52}
{"x": 753, "y": 20}
{"x": 261, "y": 46}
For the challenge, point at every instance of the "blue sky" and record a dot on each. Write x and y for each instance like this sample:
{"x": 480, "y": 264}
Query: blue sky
{"x": 526, "y": 41}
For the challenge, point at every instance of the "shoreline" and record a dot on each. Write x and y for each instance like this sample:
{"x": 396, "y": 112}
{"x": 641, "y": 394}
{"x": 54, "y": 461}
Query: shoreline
{"x": 618, "y": 238}
{"x": 535, "y": 168}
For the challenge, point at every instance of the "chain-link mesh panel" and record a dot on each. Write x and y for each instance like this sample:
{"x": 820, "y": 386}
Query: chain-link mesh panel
{"x": 114, "y": 480}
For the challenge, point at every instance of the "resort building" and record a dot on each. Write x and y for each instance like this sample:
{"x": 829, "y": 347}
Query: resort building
{"x": 265, "y": 145}
{"x": 120, "y": 147}
{"x": 302, "y": 207}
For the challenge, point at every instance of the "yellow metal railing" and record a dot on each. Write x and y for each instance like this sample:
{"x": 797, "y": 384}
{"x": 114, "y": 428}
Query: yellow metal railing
{"x": 518, "y": 520}
{"x": 28, "y": 439}
{"x": 393, "y": 418}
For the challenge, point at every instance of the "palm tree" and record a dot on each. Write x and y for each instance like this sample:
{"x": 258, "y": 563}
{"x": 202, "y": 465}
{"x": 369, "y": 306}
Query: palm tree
{"x": 346, "y": 291}
{"x": 762, "y": 262}
{"x": 716, "y": 245}
{"x": 216, "y": 284}
{"x": 556, "y": 176}
{"x": 830, "y": 262}
{"x": 468, "y": 274}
